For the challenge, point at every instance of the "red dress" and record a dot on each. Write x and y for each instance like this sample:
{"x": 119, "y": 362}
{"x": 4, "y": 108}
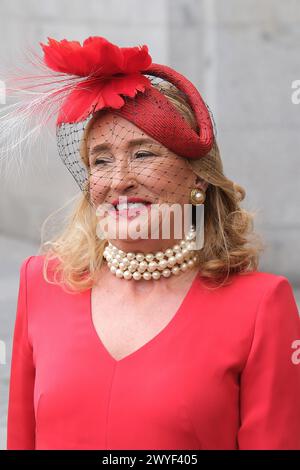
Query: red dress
{"x": 223, "y": 374}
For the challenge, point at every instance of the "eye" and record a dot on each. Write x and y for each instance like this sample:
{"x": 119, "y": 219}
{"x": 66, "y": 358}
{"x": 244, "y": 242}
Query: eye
{"x": 141, "y": 154}
{"x": 144, "y": 154}
{"x": 100, "y": 161}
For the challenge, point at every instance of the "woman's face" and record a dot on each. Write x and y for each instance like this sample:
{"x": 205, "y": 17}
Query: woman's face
{"x": 125, "y": 162}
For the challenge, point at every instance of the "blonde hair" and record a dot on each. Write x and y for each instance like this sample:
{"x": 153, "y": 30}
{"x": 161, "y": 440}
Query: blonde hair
{"x": 230, "y": 244}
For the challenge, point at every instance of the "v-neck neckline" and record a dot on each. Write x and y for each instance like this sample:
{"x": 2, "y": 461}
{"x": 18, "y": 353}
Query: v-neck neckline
{"x": 180, "y": 313}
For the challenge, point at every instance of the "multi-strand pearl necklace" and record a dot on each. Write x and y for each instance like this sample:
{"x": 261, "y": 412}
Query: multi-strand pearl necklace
{"x": 138, "y": 266}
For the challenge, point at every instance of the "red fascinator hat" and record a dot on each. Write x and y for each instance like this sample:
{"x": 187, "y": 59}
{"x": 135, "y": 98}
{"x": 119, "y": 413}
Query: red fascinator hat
{"x": 113, "y": 71}
{"x": 72, "y": 82}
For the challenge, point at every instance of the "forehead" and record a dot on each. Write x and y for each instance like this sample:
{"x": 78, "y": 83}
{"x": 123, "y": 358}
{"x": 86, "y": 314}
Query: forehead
{"x": 110, "y": 130}
{"x": 111, "y": 125}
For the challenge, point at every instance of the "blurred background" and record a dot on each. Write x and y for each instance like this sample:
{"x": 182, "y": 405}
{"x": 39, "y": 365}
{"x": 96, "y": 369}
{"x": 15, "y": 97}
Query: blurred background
{"x": 242, "y": 55}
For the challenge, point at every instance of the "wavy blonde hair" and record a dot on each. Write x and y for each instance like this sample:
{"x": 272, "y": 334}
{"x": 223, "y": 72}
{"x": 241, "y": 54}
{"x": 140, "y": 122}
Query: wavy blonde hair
{"x": 230, "y": 244}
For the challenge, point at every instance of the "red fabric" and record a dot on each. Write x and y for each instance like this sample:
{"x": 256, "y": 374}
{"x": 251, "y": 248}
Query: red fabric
{"x": 154, "y": 114}
{"x": 218, "y": 376}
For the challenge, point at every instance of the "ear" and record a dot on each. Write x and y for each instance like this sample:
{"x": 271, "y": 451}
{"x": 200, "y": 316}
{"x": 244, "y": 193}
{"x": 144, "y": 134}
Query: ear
{"x": 201, "y": 184}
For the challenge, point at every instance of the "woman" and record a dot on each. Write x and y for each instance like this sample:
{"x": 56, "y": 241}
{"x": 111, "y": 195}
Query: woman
{"x": 133, "y": 342}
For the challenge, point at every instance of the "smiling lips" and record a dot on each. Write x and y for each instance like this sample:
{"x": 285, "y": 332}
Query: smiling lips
{"x": 136, "y": 206}
{"x": 125, "y": 199}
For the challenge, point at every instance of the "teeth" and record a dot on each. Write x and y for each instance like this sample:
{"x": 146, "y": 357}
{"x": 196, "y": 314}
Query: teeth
{"x": 125, "y": 206}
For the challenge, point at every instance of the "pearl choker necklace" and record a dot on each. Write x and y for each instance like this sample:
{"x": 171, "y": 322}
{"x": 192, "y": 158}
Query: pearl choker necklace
{"x": 138, "y": 266}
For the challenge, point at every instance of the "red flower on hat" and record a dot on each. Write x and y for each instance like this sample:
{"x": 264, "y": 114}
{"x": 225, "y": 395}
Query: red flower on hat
{"x": 111, "y": 71}
{"x": 97, "y": 56}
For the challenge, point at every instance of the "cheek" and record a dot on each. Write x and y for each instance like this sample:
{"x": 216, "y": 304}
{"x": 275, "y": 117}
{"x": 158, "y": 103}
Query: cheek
{"x": 98, "y": 187}
{"x": 166, "y": 177}
{"x": 173, "y": 182}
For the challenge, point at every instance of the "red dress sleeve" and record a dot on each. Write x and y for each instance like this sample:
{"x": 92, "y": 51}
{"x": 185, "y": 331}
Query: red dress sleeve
{"x": 21, "y": 418}
{"x": 270, "y": 381}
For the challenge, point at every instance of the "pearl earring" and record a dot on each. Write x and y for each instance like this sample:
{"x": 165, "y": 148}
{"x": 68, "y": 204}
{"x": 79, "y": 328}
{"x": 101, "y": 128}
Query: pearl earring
{"x": 197, "y": 196}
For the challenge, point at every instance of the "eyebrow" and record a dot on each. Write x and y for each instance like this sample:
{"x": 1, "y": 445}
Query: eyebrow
{"x": 97, "y": 148}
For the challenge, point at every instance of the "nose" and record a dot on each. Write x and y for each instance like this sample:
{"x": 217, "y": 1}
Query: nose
{"x": 122, "y": 179}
